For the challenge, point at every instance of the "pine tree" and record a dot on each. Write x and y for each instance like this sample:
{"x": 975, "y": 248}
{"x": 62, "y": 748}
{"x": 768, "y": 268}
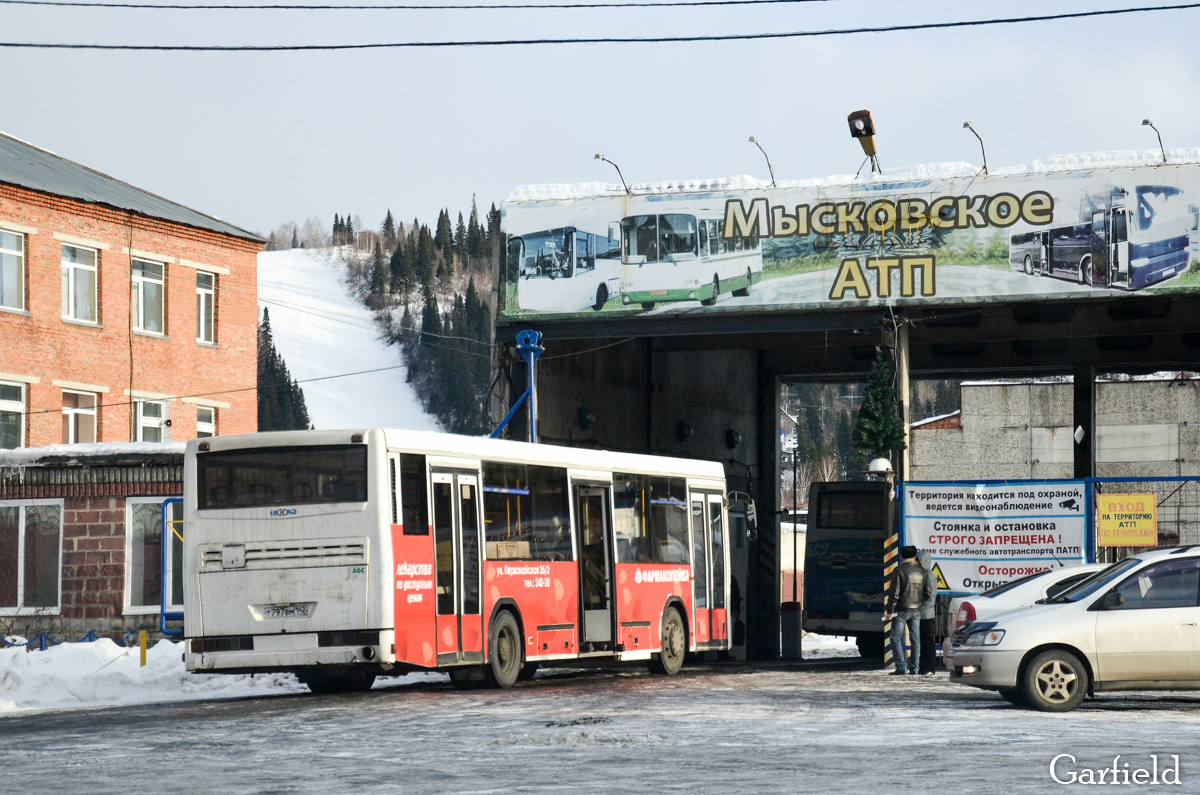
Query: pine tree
{"x": 388, "y": 232}
{"x": 281, "y": 404}
{"x": 443, "y": 238}
{"x": 400, "y": 273}
{"x": 377, "y": 297}
{"x": 474, "y": 233}
{"x": 460, "y": 238}
{"x": 431, "y": 319}
{"x": 295, "y": 239}
{"x": 878, "y": 430}
{"x": 426, "y": 256}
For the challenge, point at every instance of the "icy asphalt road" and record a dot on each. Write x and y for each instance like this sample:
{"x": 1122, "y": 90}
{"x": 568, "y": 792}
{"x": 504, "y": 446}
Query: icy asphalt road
{"x": 712, "y": 729}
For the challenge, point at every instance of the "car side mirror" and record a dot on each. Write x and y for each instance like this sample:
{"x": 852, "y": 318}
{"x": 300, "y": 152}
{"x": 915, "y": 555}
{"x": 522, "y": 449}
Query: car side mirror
{"x": 1111, "y": 601}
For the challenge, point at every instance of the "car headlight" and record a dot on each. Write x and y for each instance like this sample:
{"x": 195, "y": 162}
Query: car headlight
{"x": 984, "y": 636}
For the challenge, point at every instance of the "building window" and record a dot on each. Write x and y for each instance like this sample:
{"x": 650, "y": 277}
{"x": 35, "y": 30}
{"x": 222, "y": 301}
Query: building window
{"x": 151, "y": 422}
{"x": 79, "y": 283}
{"x": 12, "y": 415}
{"x": 206, "y": 295}
{"x": 79, "y": 417}
{"x": 12, "y": 270}
{"x": 146, "y": 299}
{"x": 144, "y": 555}
{"x": 206, "y": 421}
{"x": 30, "y": 556}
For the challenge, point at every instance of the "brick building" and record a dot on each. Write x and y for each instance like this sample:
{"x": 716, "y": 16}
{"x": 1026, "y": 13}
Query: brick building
{"x": 123, "y": 316}
{"x": 81, "y": 538}
{"x": 126, "y": 321}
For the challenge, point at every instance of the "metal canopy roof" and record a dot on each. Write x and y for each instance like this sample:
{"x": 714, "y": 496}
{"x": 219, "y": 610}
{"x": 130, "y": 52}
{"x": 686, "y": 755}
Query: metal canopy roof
{"x": 28, "y": 166}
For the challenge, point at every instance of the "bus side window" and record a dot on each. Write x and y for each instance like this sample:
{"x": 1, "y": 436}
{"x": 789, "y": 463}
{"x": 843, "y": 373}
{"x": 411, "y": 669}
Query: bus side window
{"x": 414, "y": 500}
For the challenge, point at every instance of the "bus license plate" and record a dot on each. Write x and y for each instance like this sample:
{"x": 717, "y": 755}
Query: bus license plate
{"x": 302, "y": 610}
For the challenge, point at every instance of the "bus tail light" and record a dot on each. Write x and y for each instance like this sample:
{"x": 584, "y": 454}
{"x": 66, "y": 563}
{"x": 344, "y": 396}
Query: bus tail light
{"x": 965, "y": 615}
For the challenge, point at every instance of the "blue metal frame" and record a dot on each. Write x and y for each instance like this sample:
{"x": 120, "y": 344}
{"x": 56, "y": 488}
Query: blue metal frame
{"x": 164, "y": 616}
{"x": 529, "y": 345}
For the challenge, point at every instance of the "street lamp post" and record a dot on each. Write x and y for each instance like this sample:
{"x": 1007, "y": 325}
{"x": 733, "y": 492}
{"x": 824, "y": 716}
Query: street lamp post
{"x": 618, "y": 168}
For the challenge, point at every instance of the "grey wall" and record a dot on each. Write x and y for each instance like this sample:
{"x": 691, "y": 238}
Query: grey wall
{"x": 1145, "y": 428}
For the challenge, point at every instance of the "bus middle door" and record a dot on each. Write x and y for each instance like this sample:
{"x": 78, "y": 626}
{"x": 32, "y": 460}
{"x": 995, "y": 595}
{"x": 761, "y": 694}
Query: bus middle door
{"x": 594, "y": 531}
{"x": 456, "y": 526}
{"x": 708, "y": 568}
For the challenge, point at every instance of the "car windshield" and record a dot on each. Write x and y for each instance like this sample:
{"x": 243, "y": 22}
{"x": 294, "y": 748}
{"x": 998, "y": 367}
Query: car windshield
{"x": 1008, "y": 586}
{"x": 1097, "y": 581}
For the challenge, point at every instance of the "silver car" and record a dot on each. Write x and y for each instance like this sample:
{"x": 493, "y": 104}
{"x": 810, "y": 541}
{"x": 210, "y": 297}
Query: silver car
{"x": 1018, "y": 593}
{"x": 1132, "y": 626}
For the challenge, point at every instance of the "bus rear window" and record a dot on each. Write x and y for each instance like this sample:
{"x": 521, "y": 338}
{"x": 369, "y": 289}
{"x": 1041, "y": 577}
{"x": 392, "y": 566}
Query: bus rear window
{"x": 281, "y": 476}
{"x": 851, "y": 511}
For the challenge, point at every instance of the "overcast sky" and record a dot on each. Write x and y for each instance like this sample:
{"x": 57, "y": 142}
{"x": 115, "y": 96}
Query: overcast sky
{"x": 262, "y": 138}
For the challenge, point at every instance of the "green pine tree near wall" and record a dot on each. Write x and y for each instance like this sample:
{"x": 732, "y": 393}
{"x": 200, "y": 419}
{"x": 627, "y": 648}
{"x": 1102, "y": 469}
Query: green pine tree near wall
{"x": 878, "y": 430}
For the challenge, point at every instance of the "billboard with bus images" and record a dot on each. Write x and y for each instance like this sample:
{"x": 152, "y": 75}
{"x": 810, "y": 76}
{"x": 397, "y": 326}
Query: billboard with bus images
{"x": 1070, "y": 227}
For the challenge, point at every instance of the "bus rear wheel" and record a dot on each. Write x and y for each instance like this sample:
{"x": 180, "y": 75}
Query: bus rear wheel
{"x": 715, "y": 293}
{"x": 601, "y": 298}
{"x": 744, "y": 291}
{"x": 674, "y": 645}
{"x": 353, "y": 682}
{"x": 1085, "y": 270}
{"x": 504, "y": 650}
{"x": 1028, "y": 265}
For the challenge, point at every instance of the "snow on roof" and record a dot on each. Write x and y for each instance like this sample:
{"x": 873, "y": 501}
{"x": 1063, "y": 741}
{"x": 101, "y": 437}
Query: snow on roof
{"x": 928, "y": 420}
{"x": 79, "y": 454}
{"x": 1057, "y": 163}
{"x": 1107, "y": 378}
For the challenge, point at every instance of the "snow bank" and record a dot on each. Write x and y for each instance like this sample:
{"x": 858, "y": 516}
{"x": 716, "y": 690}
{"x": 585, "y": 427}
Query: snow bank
{"x": 101, "y": 673}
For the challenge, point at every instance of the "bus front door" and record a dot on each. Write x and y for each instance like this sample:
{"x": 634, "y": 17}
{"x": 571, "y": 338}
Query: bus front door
{"x": 456, "y": 526}
{"x": 708, "y": 570}
{"x": 594, "y": 529}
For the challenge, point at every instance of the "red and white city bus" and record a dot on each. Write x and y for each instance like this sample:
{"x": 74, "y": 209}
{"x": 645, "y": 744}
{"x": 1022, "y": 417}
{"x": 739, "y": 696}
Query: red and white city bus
{"x": 346, "y": 555}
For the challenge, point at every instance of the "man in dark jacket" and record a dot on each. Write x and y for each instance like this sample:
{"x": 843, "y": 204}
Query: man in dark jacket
{"x": 911, "y": 587}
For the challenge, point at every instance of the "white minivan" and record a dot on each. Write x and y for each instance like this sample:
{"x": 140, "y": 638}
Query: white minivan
{"x": 1132, "y": 626}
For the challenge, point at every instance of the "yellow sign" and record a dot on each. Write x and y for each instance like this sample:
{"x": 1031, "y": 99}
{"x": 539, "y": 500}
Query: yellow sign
{"x": 1127, "y": 520}
{"x": 941, "y": 580}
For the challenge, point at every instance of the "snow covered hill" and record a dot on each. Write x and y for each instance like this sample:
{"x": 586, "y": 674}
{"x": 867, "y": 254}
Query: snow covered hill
{"x": 350, "y": 376}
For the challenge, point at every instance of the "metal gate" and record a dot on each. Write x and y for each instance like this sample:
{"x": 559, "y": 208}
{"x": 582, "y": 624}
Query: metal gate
{"x": 1177, "y": 500}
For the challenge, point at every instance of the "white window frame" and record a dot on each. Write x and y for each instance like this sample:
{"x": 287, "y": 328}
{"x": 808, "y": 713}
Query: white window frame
{"x": 21, "y": 277}
{"x": 206, "y": 427}
{"x": 16, "y": 407}
{"x": 206, "y": 308}
{"x": 73, "y": 411}
{"x": 143, "y": 422}
{"x": 70, "y": 278}
{"x": 141, "y": 282}
{"x": 21, "y": 609}
{"x": 174, "y": 561}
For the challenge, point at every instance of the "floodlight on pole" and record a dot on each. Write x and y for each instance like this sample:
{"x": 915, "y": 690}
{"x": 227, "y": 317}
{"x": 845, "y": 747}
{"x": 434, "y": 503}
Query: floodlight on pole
{"x": 967, "y": 126}
{"x": 863, "y": 128}
{"x": 754, "y": 141}
{"x": 618, "y": 168}
{"x": 1150, "y": 124}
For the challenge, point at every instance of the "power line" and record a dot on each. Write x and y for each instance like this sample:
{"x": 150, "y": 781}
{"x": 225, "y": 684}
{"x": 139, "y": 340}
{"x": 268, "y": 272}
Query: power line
{"x": 645, "y": 40}
{"x": 449, "y": 7}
